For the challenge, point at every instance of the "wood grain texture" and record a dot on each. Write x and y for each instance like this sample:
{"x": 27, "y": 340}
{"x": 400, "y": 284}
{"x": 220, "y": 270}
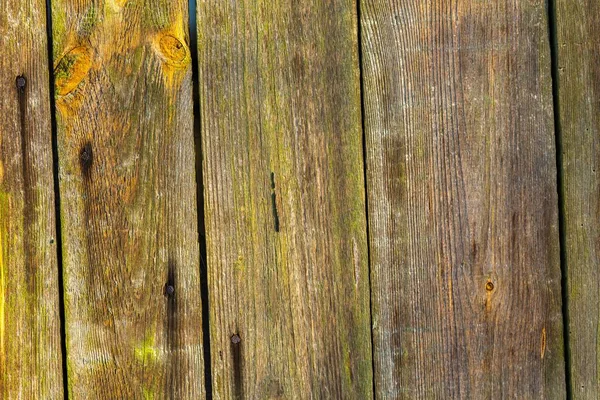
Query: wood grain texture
{"x": 127, "y": 182}
{"x": 285, "y": 202}
{"x": 30, "y": 351}
{"x": 462, "y": 199}
{"x": 578, "y": 55}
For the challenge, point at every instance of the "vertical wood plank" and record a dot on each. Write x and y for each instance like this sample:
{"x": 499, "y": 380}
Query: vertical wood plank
{"x": 462, "y": 199}
{"x": 578, "y": 54}
{"x": 285, "y": 202}
{"x": 30, "y": 349}
{"x": 127, "y": 181}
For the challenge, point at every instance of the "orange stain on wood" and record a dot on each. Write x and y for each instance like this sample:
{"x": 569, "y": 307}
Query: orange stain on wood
{"x": 171, "y": 47}
{"x": 175, "y": 55}
{"x": 489, "y": 291}
{"x": 543, "y": 342}
{"x": 173, "y": 50}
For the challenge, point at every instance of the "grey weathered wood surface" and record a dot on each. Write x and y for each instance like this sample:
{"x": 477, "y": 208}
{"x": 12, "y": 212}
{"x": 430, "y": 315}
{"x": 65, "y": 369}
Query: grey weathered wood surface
{"x": 461, "y": 187}
{"x": 128, "y": 199}
{"x": 285, "y": 202}
{"x": 30, "y": 351}
{"x": 578, "y": 55}
{"x": 462, "y": 199}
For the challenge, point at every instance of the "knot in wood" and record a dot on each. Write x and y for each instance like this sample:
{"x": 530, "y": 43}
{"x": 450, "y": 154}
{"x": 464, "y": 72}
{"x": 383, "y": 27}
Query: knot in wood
{"x": 173, "y": 51}
{"x": 71, "y": 69}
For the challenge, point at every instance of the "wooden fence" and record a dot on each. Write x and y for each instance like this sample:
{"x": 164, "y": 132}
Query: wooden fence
{"x": 299, "y": 199}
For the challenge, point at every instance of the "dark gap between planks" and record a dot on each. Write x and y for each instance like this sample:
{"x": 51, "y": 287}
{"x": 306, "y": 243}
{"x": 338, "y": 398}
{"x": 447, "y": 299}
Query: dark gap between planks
{"x": 200, "y": 199}
{"x": 365, "y": 176}
{"x": 58, "y": 233}
{"x": 551, "y": 7}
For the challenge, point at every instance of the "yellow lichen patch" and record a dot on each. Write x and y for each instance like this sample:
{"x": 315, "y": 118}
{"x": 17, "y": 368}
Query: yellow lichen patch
{"x": 148, "y": 395}
{"x": 72, "y": 69}
{"x": 239, "y": 264}
{"x": 146, "y": 351}
{"x": 115, "y": 5}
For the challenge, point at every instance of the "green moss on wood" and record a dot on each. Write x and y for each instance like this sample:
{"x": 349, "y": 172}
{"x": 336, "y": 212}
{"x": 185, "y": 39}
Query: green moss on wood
{"x": 146, "y": 351}
{"x": 88, "y": 22}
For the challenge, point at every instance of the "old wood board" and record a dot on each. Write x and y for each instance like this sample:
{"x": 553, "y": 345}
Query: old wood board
{"x": 462, "y": 199}
{"x": 30, "y": 346}
{"x": 285, "y": 201}
{"x": 578, "y": 86}
{"x": 128, "y": 199}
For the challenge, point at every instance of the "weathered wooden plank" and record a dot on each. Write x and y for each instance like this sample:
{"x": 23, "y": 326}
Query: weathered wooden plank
{"x": 462, "y": 199}
{"x": 30, "y": 350}
{"x": 285, "y": 202}
{"x": 127, "y": 183}
{"x": 578, "y": 55}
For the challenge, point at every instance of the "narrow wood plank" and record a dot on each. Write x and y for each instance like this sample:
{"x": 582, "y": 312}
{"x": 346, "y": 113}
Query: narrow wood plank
{"x": 578, "y": 54}
{"x": 127, "y": 181}
{"x": 462, "y": 199}
{"x": 285, "y": 202}
{"x": 30, "y": 349}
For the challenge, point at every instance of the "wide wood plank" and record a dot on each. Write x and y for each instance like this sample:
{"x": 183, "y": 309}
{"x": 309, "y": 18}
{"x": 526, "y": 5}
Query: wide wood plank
{"x": 127, "y": 182}
{"x": 30, "y": 349}
{"x": 285, "y": 202}
{"x": 578, "y": 55}
{"x": 462, "y": 199}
